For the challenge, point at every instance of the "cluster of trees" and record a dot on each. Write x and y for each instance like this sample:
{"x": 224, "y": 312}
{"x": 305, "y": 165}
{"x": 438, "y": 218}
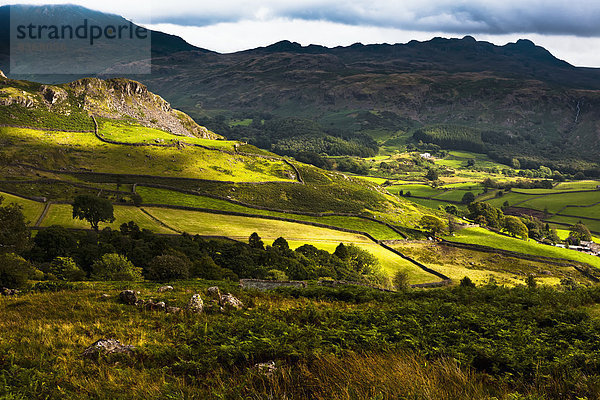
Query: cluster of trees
{"x": 520, "y": 184}
{"x": 292, "y": 135}
{"x": 131, "y": 254}
{"x": 524, "y": 226}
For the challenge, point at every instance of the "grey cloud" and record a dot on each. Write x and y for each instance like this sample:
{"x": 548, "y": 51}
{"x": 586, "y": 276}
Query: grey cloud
{"x": 461, "y": 17}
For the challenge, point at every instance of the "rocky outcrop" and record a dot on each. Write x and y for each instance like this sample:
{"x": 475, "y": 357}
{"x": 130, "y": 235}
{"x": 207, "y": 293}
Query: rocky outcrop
{"x": 196, "y": 305}
{"x": 128, "y": 297}
{"x": 9, "y": 292}
{"x": 107, "y": 346}
{"x": 214, "y": 293}
{"x": 118, "y": 98}
{"x": 53, "y": 94}
{"x": 230, "y": 302}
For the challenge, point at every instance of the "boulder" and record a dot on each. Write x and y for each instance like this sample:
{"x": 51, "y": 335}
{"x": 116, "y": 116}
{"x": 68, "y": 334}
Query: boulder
{"x": 105, "y": 296}
{"x": 173, "y": 310}
{"x": 128, "y": 297}
{"x": 107, "y": 346}
{"x": 9, "y": 292}
{"x": 214, "y": 293}
{"x": 196, "y": 305}
{"x": 230, "y": 302}
{"x": 267, "y": 368}
{"x": 163, "y": 289}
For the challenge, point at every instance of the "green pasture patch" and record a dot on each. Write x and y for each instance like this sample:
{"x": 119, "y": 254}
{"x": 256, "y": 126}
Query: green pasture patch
{"x": 62, "y": 214}
{"x": 592, "y": 225}
{"x": 555, "y": 203}
{"x": 127, "y": 132}
{"x": 578, "y": 185}
{"x": 194, "y": 222}
{"x": 484, "y": 237}
{"x": 415, "y": 190}
{"x": 585, "y": 212}
{"x": 163, "y": 196}
{"x": 31, "y": 209}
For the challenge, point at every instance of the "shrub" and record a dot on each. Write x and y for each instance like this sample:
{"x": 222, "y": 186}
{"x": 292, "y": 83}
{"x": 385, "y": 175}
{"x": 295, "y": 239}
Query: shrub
{"x": 400, "y": 280}
{"x": 115, "y": 267}
{"x": 466, "y": 282}
{"x": 206, "y": 268}
{"x": 14, "y": 271}
{"x": 65, "y": 269}
{"x": 168, "y": 267}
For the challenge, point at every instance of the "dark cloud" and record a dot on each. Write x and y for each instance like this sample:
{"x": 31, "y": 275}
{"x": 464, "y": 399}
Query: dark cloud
{"x": 580, "y": 18}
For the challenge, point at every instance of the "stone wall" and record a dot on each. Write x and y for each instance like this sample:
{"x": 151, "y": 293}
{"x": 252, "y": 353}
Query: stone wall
{"x": 268, "y": 285}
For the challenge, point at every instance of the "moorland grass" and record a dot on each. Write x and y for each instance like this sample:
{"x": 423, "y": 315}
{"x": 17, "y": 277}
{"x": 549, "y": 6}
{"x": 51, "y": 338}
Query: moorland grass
{"x": 75, "y": 151}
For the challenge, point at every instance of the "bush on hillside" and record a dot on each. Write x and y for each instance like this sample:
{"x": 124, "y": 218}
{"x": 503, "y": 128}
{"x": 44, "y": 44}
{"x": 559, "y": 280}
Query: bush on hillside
{"x": 168, "y": 267}
{"x": 115, "y": 267}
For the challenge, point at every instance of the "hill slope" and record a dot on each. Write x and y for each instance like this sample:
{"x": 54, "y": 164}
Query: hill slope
{"x": 30, "y": 104}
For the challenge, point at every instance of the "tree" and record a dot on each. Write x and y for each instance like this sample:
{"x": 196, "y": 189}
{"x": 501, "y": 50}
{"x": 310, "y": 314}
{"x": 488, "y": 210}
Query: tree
{"x": 432, "y": 174}
{"x": 514, "y": 226}
{"x": 55, "y": 241}
{"x": 93, "y": 209}
{"x": 451, "y": 209}
{"x": 451, "y": 224}
{"x": 516, "y": 164}
{"x": 531, "y": 282}
{"x": 581, "y": 232}
{"x": 468, "y": 198}
{"x": 168, "y": 267}
{"x": 14, "y": 271}
{"x": 65, "y": 269}
{"x": 281, "y": 244}
{"x": 400, "y": 280}
{"x": 432, "y": 224}
{"x": 115, "y": 267}
{"x": 341, "y": 252}
{"x": 14, "y": 233}
{"x": 466, "y": 282}
{"x": 256, "y": 242}
{"x": 486, "y": 214}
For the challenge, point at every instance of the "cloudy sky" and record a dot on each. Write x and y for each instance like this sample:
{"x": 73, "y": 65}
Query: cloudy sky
{"x": 569, "y": 29}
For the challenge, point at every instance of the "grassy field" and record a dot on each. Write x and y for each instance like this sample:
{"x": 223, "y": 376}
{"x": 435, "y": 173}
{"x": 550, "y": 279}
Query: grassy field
{"x": 484, "y": 237}
{"x": 162, "y": 196}
{"x": 121, "y": 131}
{"x": 415, "y": 190}
{"x": 592, "y": 225}
{"x": 578, "y": 185}
{"x": 240, "y": 228}
{"x": 585, "y": 212}
{"x": 481, "y": 267}
{"x": 555, "y": 203}
{"x": 194, "y": 222}
{"x": 76, "y": 151}
{"x": 31, "y": 209}
{"x": 62, "y": 214}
